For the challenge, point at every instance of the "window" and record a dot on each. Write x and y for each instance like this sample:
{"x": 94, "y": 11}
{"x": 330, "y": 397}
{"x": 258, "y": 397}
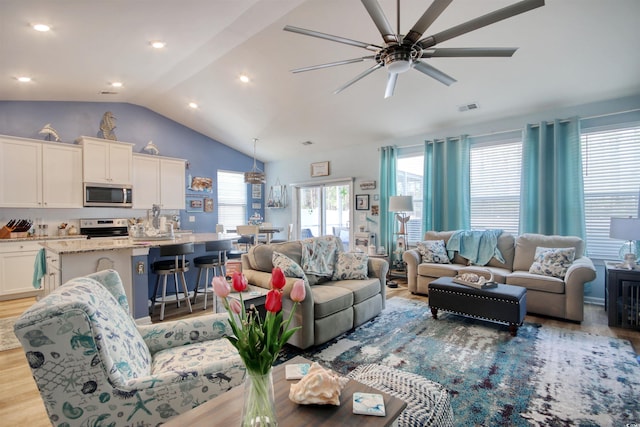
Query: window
{"x": 232, "y": 199}
{"x": 495, "y": 185}
{"x": 409, "y": 171}
{"x": 611, "y": 165}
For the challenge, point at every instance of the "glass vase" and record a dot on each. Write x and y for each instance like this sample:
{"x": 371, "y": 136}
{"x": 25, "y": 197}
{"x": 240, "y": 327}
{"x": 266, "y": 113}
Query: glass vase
{"x": 259, "y": 408}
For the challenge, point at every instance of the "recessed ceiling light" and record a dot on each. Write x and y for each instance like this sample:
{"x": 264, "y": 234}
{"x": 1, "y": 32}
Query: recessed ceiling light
{"x": 244, "y": 78}
{"x": 24, "y": 79}
{"x": 158, "y": 44}
{"x": 116, "y": 84}
{"x": 193, "y": 105}
{"x": 41, "y": 27}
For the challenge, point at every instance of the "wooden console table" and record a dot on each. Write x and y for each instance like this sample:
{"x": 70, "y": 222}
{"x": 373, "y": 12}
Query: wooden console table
{"x": 226, "y": 409}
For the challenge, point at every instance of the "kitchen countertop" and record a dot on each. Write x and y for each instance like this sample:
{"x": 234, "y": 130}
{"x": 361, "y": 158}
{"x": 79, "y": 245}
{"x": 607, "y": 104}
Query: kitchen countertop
{"x": 118, "y": 243}
{"x": 40, "y": 239}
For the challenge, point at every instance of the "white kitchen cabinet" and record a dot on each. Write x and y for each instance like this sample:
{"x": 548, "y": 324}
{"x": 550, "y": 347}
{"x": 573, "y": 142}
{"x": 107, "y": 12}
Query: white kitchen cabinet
{"x": 53, "y": 279}
{"x": 106, "y": 162}
{"x": 38, "y": 174}
{"x": 158, "y": 180}
{"x": 16, "y": 269}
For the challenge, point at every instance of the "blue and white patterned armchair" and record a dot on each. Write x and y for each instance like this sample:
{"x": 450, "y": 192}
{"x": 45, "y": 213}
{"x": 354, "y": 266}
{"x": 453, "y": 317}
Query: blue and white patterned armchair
{"x": 95, "y": 367}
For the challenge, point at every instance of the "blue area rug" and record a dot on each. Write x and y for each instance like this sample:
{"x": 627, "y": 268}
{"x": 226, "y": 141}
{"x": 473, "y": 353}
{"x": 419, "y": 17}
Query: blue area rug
{"x": 545, "y": 376}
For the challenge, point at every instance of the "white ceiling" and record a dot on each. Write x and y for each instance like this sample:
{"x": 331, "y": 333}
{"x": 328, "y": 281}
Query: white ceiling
{"x": 570, "y": 52}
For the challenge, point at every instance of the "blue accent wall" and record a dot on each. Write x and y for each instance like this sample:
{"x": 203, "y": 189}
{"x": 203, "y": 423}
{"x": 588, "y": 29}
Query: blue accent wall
{"x": 136, "y": 125}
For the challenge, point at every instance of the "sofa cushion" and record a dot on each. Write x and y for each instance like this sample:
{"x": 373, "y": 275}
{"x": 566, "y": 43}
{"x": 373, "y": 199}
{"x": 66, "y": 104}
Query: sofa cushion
{"x": 328, "y": 300}
{"x": 261, "y": 256}
{"x": 289, "y": 267}
{"x": 526, "y": 245}
{"x": 438, "y": 270}
{"x": 506, "y": 246}
{"x": 351, "y": 265}
{"x": 362, "y": 289}
{"x": 433, "y": 251}
{"x": 536, "y": 282}
{"x": 552, "y": 261}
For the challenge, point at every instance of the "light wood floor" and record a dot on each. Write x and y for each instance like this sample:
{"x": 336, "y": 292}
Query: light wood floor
{"x": 20, "y": 403}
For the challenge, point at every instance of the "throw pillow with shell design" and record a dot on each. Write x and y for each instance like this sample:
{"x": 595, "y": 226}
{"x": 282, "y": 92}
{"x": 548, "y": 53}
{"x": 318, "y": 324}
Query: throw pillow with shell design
{"x": 433, "y": 251}
{"x": 289, "y": 267}
{"x": 351, "y": 265}
{"x": 552, "y": 262}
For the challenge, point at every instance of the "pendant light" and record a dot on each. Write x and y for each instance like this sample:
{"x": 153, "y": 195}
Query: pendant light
{"x": 255, "y": 176}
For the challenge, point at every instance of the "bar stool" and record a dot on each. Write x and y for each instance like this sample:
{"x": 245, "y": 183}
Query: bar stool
{"x": 168, "y": 267}
{"x": 215, "y": 261}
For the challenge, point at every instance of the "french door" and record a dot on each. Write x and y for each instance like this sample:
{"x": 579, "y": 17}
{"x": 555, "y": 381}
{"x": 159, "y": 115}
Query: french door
{"x": 325, "y": 208}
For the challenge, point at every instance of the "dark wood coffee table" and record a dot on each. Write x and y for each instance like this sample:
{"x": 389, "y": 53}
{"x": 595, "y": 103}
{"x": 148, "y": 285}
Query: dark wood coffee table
{"x": 226, "y": 409}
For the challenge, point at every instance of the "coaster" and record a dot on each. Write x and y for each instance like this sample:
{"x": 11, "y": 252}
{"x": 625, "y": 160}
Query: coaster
{"x": 368, "y": 404}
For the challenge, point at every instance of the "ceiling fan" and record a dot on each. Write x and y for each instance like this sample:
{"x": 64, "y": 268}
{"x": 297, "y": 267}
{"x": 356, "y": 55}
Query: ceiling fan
{"x": 401, "y": 52}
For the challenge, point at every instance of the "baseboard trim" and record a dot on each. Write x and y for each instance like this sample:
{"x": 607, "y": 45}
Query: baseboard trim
{"x": 594, "y": 301}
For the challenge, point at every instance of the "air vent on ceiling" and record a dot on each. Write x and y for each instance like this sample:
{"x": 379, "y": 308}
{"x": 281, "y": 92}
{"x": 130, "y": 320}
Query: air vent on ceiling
{"x": 307, "y": 143}
{"x": 468, "y": 107}
{"x": 108, "y": 92}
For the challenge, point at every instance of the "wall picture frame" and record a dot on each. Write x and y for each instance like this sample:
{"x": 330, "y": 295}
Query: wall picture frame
{"x": 368, "y": 185}
{"x": 256, "y": 191}
{"x": 208, "y": 204}
{"x": 362, "y": 202}
{"x": 319, "y": 169}
{"x": 195, "y": 204}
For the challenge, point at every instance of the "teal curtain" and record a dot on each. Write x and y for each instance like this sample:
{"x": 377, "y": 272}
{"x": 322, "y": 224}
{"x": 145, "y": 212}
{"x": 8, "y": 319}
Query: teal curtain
{"x": 388, "y": 157}
{"x": 447, "y": 195}
{"x": 552, "y": 191}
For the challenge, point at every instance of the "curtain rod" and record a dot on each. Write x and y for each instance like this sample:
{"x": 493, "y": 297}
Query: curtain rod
{"x": 519, "y": 130}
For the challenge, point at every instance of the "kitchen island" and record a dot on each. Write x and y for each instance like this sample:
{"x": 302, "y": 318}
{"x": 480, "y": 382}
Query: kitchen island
{"x": 131, "y": 258}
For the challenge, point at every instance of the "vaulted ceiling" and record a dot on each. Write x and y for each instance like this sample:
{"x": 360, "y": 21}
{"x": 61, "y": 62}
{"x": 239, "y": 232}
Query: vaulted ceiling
{"x": 570, "y": 52}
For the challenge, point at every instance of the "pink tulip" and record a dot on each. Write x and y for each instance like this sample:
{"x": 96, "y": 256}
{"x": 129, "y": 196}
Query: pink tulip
{"x": 235, "y": 306}
{"x": 239, "y": 281}
{"x": 298, "y": 292}
{"x": 220, "y": 286}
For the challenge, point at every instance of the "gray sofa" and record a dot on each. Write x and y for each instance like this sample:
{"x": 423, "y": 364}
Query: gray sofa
{"x": 551, "y": 296}
{"x": 330, "y": 307}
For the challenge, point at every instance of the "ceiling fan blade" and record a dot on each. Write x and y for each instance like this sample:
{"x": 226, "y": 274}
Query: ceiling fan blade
{"x": 332, "y": 38}
{"x": 433, "y": 72}
{"x": 379, "y": 18}
{"x": 463, "y": 52}
{"x": 358, "y": 77}
{"x": 481, "y": 21}
{"x": 425, "y": 21}
{"x": 391, "y": 85}
{"x": 332, "y": 64}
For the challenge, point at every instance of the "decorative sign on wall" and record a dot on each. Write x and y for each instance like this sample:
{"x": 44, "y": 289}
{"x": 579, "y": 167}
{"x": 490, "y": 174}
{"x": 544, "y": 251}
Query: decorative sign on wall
{"x": 200, "y": 183}
{"x": 256, "y": 191}
{"x": 368, "y": 185}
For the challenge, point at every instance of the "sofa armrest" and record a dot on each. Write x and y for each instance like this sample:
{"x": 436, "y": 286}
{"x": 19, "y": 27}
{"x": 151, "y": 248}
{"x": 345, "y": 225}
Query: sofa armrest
{"x": 177, "y": 333}
{"x": 412, "y": 258}
{"x": 379, "y": 268}
{"x": 580, "y": 272}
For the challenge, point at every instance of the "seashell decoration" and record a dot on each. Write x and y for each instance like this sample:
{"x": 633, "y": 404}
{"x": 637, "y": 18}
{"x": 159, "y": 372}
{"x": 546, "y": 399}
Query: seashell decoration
{"x": 318, "y": 387}
{"x": 51, "y": 134}
{"x": 151, "y": 148}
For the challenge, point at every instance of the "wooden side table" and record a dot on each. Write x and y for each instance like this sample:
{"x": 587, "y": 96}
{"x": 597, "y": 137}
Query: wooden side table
{"x": 622, "y": 296}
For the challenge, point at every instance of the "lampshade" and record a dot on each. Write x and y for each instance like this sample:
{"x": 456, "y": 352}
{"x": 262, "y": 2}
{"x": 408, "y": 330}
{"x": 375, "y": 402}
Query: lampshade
{"x": 401, "y": 204}
{"x": 255, "y": 175}
{"x": 625, "y": 228}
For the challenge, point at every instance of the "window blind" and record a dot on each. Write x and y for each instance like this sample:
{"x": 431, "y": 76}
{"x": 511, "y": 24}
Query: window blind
{"x": 611, "y": 170}
{"x": 232, "y": 199}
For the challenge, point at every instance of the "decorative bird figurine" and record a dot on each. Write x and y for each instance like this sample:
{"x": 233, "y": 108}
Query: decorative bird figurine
{"x": 107, "y": 125}
{"x": 151, "y": 148}
{"x": 50, "y": 133}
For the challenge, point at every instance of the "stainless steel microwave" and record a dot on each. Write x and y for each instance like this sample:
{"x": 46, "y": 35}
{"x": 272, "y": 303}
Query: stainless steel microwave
{"x": 108, "y": 195}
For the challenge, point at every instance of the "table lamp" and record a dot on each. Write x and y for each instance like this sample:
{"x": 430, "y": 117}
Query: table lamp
{"x": 401, "y": 205}
{"x": 626, "y": 229}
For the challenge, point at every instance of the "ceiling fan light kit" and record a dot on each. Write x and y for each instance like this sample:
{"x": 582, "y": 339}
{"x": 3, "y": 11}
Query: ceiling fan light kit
{"x": 400, "y": 53}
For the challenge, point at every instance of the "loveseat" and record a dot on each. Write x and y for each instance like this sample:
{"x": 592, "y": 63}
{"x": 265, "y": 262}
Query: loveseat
{"x": 331, "y": 307}
{"x": 549, "y": 292}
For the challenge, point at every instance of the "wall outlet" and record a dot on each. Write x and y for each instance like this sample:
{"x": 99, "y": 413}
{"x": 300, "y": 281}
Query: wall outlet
{"x": 140, "y": 268}
{"x": 192, "y": 218}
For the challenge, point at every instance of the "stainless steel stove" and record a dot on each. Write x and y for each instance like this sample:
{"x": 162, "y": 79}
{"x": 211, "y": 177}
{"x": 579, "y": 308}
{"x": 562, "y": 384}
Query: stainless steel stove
{"x": 104, "y": 227}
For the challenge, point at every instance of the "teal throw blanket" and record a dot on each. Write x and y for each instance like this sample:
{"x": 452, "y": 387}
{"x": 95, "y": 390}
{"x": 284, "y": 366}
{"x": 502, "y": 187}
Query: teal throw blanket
{"x": 478, "y": 246}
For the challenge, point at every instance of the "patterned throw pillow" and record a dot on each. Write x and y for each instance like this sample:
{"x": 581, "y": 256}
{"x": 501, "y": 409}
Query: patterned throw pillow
{"x": 351, "y": 265}
{"x": 433, "y": 251}
{"x": 289, "y": 267}
{"x": 552, "y": 261}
